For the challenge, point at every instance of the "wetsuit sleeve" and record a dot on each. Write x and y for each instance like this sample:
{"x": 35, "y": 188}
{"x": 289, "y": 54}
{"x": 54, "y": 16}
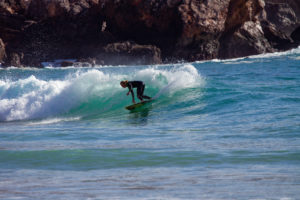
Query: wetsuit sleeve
{"x": 130, "y": 90}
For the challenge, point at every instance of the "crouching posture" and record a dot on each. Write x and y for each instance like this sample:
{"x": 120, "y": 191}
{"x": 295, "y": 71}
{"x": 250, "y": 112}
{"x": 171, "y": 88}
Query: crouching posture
{"x": 140, "y": 87}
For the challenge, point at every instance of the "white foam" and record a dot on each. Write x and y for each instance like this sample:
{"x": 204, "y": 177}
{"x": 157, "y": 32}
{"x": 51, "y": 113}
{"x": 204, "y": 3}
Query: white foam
{"x": 170, "y": 81}
{"x": 54, "y": 120}
{"x": 179, "y": 77}
{"x": 26, "y": 98}
{"x": 265, "y": 55}
{"x": 278, "y": 54}
{"x": 31, "y": 98}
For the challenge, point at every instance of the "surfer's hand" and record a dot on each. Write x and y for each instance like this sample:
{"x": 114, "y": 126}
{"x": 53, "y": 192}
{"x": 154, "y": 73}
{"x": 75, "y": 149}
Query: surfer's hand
{"x": 127, "y": 93}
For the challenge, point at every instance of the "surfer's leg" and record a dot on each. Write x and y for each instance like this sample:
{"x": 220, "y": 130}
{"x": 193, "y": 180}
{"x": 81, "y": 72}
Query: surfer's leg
{"x": 146, "y": 97}
{"x": 140, "y": 91}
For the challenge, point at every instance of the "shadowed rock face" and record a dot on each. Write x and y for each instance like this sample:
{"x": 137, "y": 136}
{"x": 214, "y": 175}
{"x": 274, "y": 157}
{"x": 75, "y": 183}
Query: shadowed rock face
{"x": 243, "y": 33}
{"x": 145, "y": 22}
{"x": 284, "y": 15}
{"x": 144, "y": 32}
{"x": 203, "y": 22}
{"x": 2, "y": 51}
{"x": 130, "y": 53}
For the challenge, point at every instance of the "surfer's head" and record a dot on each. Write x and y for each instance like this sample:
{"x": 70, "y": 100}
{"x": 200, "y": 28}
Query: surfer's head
{"x": 124, "y": 83}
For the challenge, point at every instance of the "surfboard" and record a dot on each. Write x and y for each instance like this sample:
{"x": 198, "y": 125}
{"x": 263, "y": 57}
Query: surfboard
{"x": 137, "y": 105}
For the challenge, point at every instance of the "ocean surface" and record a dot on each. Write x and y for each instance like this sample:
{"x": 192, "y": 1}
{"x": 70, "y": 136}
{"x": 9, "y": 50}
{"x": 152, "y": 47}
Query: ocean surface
{"x": 220, "y": 129}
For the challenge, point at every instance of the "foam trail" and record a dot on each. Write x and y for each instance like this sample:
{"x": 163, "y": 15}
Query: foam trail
{"x": 163, "y": 90}
{"x": 53, "y": 120}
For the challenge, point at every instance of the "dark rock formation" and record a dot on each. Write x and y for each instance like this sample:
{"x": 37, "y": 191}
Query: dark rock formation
{"x": 280, "y": 24}
{"x": 246, "y": 40}
{"x": 243, "y": 34}
{"x": 203, "y": 22}
{"x": 154, "y": 22}
{"x": 66, "y": 63}
{"x": 2, "y": 51}
{"x": 98, "y": 31}
{"x": 15, "y": 59}
{"x": 283, "y": 14}
{"x": 127, "y": 53}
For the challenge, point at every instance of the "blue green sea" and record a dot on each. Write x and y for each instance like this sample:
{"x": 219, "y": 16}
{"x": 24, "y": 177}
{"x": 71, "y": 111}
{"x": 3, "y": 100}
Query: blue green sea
{"x": 216, "y": 130}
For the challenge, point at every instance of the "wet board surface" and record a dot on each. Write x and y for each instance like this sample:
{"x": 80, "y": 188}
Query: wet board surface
{"x": 137, "y": 105}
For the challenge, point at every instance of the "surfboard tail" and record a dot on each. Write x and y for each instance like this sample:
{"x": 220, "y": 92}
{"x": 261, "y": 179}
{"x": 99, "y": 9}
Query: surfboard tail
{"x": 133, "y": 106}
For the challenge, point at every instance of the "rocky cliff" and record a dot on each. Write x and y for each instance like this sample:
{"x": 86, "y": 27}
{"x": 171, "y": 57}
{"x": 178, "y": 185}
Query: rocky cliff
{"x": 144, "y": 32}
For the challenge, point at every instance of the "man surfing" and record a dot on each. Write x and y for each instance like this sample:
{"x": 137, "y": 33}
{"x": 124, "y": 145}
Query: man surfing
{"x": 140, "y": 87}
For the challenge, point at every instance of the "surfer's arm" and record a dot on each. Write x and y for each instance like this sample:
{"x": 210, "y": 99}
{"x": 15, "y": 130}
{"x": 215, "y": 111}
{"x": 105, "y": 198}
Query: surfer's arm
{"x": 132, "y": 94}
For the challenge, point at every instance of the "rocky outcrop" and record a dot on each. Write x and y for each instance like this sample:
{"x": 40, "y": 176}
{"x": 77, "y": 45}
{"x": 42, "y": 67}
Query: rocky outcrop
{"x": 243, "y": 33}
{"x": 99, "y": 31}
{"x": 154, "y": 22}
{"x": 2, "y": 51}
{"x": 203, "y": 22}
{"x": 128, "y": 53}
{"x": 246, "y": 40}
{"x": 283, "y": 14}
{"x": 280, "y": 23}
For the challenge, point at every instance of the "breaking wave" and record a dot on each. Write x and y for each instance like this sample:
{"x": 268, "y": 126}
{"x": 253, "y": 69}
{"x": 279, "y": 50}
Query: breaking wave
{"x": 82, "y": 92}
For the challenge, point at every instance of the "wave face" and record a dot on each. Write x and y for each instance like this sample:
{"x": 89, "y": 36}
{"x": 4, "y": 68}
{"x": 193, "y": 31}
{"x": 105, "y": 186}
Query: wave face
{"x": 84, "y": 92}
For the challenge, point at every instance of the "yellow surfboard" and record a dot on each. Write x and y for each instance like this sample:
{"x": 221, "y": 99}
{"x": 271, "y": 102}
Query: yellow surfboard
{"x": 137, "y": 105}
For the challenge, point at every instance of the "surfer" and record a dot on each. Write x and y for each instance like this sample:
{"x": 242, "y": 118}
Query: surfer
{"x": 139, "y": 85}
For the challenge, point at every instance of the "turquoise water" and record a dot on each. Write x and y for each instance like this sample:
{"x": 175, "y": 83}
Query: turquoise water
{"x": 222, "y": 129}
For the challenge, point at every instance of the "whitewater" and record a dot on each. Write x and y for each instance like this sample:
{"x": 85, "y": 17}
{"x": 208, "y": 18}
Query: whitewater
{"x": 220, "y": 129}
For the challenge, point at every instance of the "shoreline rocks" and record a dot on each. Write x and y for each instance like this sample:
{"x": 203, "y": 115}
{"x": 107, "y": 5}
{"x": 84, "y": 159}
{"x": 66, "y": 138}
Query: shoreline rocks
{"x": 126, "y": 32}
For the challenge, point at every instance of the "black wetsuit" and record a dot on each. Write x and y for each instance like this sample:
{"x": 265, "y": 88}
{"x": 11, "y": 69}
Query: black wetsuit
{"x": 140, "y": 86}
